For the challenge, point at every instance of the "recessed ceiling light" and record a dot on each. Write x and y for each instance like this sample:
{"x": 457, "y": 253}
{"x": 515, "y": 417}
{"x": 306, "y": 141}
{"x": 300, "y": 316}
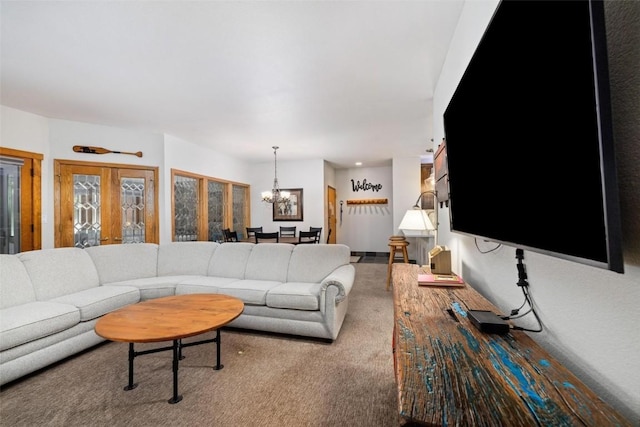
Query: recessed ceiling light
{"x": 358, "y": 163}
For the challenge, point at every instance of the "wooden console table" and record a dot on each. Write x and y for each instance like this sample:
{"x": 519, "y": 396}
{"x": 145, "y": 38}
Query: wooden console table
{"x": 449, "y": 373}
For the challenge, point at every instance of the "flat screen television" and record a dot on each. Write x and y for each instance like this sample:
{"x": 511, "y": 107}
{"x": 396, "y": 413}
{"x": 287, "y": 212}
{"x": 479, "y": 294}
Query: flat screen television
{"x": 529, "y": 138}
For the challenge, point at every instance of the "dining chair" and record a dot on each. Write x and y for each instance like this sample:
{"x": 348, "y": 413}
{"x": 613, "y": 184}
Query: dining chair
{"x": 230, "y": 236}
{"x": 318, "y": 231}
{"x": 269, "y": 237}
{"x": 251, "y": 231}
{"x": 307, "y": 237}
{"x": 288, "y": 231}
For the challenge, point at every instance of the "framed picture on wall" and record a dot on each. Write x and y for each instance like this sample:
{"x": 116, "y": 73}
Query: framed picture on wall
{"x": 427, "y": 184}
{"x": 290, "y": 210}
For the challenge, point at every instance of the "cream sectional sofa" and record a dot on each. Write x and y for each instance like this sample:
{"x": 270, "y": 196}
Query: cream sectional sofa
{"x": 50, "y": 299}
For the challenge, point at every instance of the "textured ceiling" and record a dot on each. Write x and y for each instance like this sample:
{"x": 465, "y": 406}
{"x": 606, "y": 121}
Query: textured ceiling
{"x": 341, "y": 80}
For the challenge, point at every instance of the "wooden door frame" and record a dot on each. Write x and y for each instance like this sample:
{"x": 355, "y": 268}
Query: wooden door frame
{"x": 332, "y": 237}
{"x": 30, "y": 198}
{"x": 57, "y": 196}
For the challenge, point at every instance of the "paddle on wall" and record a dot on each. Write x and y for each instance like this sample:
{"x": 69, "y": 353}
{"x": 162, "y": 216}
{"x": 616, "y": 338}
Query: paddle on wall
{"x": 100, "y": 150}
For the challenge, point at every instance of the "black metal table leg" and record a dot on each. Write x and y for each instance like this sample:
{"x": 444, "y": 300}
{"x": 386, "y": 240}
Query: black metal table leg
{"x": 217, "y": 340}
{"x": 177, "y": 356}
{"x": 180, "y": 356}
{"x": 132, "y": 355}
{"x": 176, "y": 360}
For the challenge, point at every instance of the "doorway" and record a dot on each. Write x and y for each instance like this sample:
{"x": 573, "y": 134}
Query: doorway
{"x": 20, "y": 201}
{"x": 331, "y": 215}
{"x": 103, "y": 204}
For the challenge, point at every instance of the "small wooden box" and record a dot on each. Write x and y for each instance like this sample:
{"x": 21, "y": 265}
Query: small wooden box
{"x": 440, "y": 263}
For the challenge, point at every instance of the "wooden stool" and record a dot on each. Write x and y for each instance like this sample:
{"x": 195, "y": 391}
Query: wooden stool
{"x": 397, "y": 244}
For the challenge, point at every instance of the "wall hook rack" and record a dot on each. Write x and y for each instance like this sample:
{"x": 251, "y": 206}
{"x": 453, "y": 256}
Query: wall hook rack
{"x": 368, "y": 202}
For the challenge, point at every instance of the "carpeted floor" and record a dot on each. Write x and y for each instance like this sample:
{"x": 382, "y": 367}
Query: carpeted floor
{"x": 267, "y": 380}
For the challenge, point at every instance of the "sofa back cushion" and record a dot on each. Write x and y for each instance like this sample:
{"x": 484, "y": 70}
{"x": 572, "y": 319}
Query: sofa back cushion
{"x": 116, "y": 263}
{"x": 15, "y": 285}
{"x": 179, "y": 258}
{"x": 60, "y": 271}
{"x": 269, "y": 261}
{"x": 230, "y": 260}
{"x": 312, "y": 263}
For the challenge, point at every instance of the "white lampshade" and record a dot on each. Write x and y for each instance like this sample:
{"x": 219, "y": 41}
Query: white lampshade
{"x": 416, "y": 223}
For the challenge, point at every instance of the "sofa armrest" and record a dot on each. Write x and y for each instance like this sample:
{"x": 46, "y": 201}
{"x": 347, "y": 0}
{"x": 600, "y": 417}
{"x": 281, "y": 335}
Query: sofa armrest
{"x": 342, "y": 278}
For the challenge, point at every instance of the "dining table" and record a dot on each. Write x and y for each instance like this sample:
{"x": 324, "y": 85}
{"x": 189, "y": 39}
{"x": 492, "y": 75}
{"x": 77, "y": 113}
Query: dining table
{"x": 285, "y": 239}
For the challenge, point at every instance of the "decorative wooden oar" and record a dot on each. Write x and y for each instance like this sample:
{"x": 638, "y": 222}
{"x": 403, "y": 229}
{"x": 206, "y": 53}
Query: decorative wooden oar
{"x": 100, "y": 150}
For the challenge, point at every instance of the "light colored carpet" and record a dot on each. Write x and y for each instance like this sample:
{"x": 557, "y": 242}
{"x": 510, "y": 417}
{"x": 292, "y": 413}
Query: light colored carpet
{"x": 267, "y": 380}
{"x": 355, "y": 259}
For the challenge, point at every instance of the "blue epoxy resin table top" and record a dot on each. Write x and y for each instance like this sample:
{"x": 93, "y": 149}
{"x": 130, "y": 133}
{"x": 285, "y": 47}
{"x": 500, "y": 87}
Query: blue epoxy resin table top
{"x": 448, "y": 373}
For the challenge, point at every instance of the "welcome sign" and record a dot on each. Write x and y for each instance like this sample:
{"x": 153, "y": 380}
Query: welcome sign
{"x": 365, "y": 186}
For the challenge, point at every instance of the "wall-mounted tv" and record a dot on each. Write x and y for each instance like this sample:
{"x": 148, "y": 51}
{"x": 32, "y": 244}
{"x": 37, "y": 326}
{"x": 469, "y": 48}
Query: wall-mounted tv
{"x": 529, "y": 138}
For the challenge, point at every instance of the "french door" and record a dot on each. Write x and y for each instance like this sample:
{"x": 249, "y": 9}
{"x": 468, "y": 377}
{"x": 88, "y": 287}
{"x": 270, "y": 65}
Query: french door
{"x": 203, "y": 206}
{"x": 103, "y": 204}
{"x": 20, "y": 201}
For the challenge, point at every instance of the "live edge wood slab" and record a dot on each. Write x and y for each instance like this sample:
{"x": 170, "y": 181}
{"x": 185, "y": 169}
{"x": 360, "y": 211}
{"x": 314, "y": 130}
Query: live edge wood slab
{"x": 448, "y": 373}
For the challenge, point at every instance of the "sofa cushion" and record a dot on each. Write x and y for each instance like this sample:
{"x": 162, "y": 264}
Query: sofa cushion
{"x": 116, "y": 263}
{"x": 230, "y": 259}
{"x": 60, "y": 271}
{"x": 101, "y": 300}
{"x": 154, "y": 287}
{"x": 249, "y": 291}
{"x": 295, "y": 295}
{"x": 202, "y": 284}
{"x": 312, "y": 263}
{"x": 179, "y": 258}
{"x": 28, "y": 322}
{"x": 269, "y": 261}
{"x": 15, "y": 285}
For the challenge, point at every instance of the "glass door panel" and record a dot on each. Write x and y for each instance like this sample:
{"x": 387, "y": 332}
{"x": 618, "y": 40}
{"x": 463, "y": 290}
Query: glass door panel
{"x": 10, "y": 209}
{"x": 132, "y": 204}
{"x": 202, "y": 207}
{"x": 87, "y": 208}
{"x": 240, "y": 209}
{"x": 134, "y": 223}
{"x": 81, "y": 203}
{"x": 215, "y": 208}
{"x": 185, "y": 196}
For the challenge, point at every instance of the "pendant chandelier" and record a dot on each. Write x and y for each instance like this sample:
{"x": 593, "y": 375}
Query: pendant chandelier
{"x": 275, "y": 195}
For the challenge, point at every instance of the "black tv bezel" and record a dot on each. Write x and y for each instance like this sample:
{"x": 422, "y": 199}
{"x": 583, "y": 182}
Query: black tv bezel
{"x": 608, "y": 180}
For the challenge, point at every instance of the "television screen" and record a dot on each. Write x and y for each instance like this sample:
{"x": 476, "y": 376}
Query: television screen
{"x": 528, "y": 134}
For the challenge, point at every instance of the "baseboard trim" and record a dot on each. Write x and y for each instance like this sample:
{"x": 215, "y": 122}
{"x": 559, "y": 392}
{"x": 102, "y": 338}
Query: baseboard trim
{"x": 371, "y": 254}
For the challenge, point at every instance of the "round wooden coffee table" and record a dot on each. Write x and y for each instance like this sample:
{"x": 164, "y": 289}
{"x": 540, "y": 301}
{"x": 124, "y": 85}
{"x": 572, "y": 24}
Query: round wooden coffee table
{"x": 169, "y": 319}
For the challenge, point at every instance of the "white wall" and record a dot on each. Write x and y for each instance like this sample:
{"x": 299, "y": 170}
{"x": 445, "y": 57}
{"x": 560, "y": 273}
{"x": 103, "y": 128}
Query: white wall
{"x": 407, "y": 186}
{"x": 365, "y": 228}
{"x": 30, "y": 132}
{"x": 590, "y": 315}
{"x": 54, "y": 139}
{"x": 186, "y": 156}
{"x": 305, "y": 174}
{"x": 64, "y": 134}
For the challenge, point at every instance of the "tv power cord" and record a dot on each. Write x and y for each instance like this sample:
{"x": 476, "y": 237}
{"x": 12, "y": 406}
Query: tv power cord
{"x": 524, "y": 285}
